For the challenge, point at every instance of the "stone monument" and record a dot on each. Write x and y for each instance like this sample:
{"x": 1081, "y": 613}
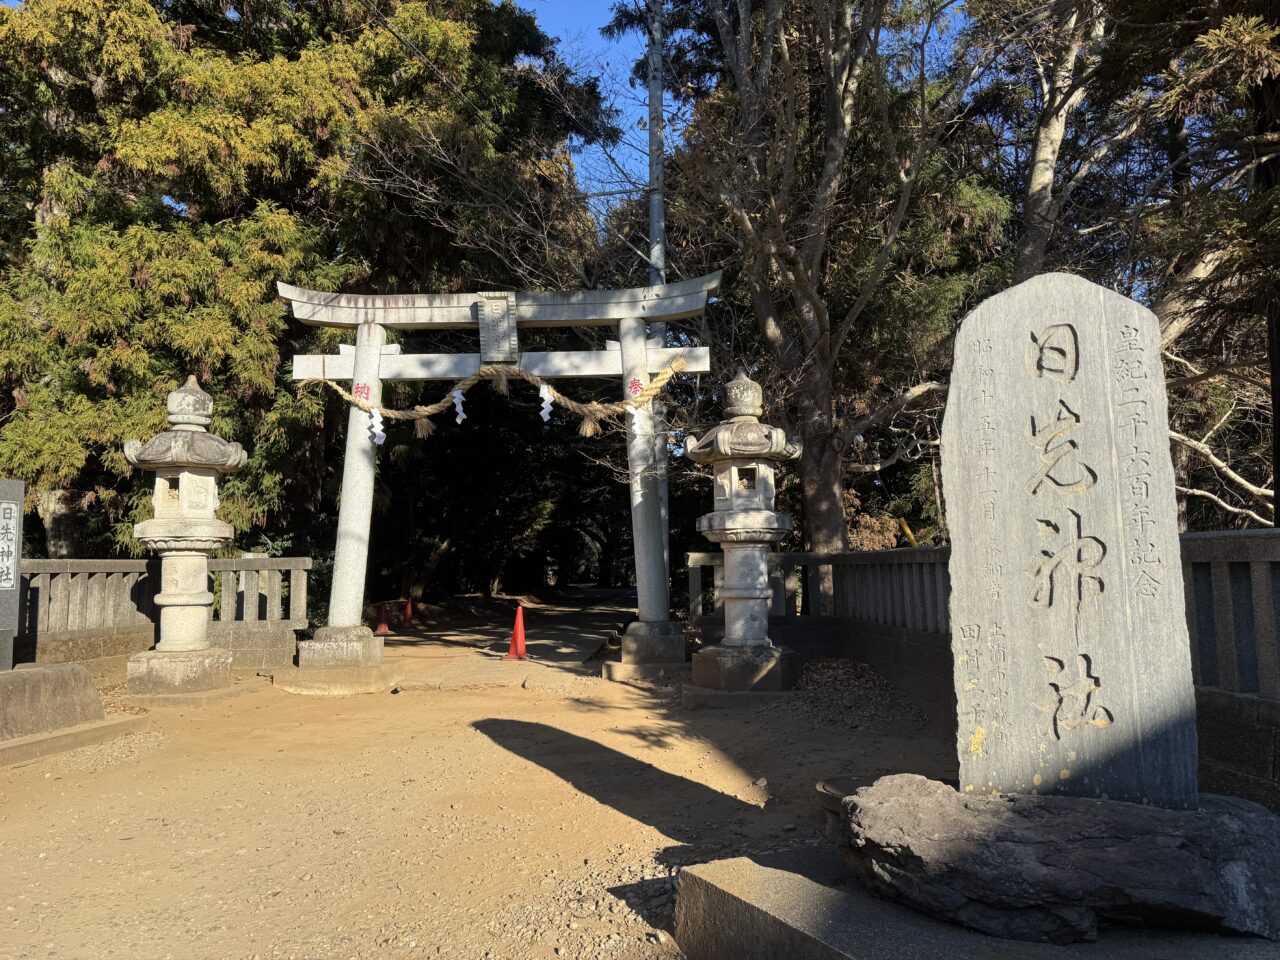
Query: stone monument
{"x": 742, "y": 453}
{"x": 1077, "y": 797}
{"x": 1069, "y": 634}
{"x": 187, "y": 461}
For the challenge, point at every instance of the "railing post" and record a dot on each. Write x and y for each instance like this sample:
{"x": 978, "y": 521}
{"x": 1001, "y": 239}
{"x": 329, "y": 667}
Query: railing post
{"x": 249, "y": 595}
{"x": 1189, "y": 598}
{"x": 298, "y": 595}
{"x": 778, "y": 591}
{"x": 695, "y": 590}
{"x": 1264, "y": 630}
{"x": 1224, "y": 627}
{"x": 791, "y": 586}
{"x": 273, "y": 594}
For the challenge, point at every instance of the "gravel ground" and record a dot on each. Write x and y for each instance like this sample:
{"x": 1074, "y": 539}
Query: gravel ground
{"x": 505, "y": 824}
{"x": 850, "y": 695}
{"x": 99, "y": 756}
{"x": 115, "y": 697}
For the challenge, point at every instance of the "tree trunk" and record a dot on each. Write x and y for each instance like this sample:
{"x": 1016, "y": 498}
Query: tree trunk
{"x": 1040, "y": 205}
{"x": 59, "y": 512}
{"x": 607, "y": 571}
{"x": 1267, "y": 121}
{"x": 826, "y": 529}
{"x": 431, "y": 568}
{"x": 1037, "y": 207}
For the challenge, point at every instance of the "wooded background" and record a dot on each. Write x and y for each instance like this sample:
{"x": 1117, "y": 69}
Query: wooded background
{"x": 864, "y": 174}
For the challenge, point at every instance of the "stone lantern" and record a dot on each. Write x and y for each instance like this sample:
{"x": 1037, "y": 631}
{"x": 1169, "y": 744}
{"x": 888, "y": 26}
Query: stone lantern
{"x": 743, "y": 453}
{"x": 187, "y": 461}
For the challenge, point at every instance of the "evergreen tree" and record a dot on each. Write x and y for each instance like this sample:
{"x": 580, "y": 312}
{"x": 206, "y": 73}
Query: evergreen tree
{"x": 163, "y": 164}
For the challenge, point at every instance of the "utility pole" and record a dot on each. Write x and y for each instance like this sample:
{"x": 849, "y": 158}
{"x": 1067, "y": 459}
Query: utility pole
{"x": 658, "y": 251}
{"x": 657, "y": 212}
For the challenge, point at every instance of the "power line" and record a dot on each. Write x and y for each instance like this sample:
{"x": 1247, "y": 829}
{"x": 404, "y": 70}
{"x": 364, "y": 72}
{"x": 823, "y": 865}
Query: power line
{"x": 414, "y": 49}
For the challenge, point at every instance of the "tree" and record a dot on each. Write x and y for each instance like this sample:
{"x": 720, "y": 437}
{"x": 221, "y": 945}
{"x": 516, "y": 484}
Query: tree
{"x": 163, "y": 164}
{"x": 823, "y": 166}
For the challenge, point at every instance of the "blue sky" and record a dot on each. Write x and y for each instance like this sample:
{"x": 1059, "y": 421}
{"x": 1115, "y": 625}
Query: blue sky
{"x": 577, "y": 25}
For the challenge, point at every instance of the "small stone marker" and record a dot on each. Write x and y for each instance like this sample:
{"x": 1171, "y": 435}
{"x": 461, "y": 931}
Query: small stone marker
{"x": 11, "y": 497}
{"x": 1072, "y": 660}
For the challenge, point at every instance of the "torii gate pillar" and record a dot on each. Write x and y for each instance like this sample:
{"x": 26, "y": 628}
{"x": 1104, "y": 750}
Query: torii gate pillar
{"x": 346, "y": 641}
{"x": 654, "y": 644}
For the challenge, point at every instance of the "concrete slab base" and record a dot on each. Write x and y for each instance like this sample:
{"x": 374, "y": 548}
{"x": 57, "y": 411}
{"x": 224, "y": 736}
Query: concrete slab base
{"x": 40, "y": 698}
{"x": 200, "y": 698}
{"x": 693, "y": 697}
{"x": 266, "y": 645}
{"x": 489, "y": 674}
{"x": 802, "y": 905}
{"x": 340, "y": 647}
{"x": 160, "y": 673}
{"x": 745, "y": 668}
{"x": 623, "y": 672}
{"x": 337, "y": 681}
{"x": 23, "y": 749}
{"x": 656, "y": 642}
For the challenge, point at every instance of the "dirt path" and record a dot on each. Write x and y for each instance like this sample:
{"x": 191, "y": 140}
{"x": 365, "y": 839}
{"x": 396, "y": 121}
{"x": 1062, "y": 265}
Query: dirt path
{"x": 508, "y": 823}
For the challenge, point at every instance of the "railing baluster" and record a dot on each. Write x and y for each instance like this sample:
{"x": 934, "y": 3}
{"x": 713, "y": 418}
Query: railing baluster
{"x": 695, "y": 591}
{"x": 1189, "y": 602}
{"x": 900, "y": 595}
{"x": 273, "y": 594}
{"x": 928, "y": 587}
{"x": 42, "y": 603}
{"x": 777, "y": 589}
{"x": 1264, "y": 630}
{"x": 59, "y": 599}
{"x": 78, "y": 584}
{"x": 920, "y": 616}
{"x": 298, "y": 595}
{"x": 1224, "y": 626}
{"x": 227, "y": 594}
{"x": 250, "y": 595}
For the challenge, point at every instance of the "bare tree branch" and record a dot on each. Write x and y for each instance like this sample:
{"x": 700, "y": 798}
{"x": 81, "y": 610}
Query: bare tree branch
{"x": 1258, "y": 493}
{"x": 1206, "y": 495}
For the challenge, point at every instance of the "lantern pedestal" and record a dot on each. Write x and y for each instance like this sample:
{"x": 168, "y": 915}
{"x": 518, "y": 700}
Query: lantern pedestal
{"x": 736, "y": 669}
{"x": 158, "y": 673}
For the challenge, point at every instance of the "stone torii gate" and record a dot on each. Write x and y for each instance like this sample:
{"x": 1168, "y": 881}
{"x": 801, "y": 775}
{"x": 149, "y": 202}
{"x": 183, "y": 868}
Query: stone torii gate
{"x": 655, "y": 643}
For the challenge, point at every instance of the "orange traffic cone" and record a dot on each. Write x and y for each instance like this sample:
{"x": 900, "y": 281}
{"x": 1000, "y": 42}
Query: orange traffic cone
{"x": 382, "y": 629}
{"x": 407, "y": 619}
{"x": 517, "y": 651}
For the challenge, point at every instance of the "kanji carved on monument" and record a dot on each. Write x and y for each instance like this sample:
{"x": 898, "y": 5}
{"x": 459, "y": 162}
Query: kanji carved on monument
{"x": 1071, "y": 653}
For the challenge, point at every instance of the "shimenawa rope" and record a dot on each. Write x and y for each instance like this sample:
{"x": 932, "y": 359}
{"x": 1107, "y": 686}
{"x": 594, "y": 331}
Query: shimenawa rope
{"x": 499, "y": 375}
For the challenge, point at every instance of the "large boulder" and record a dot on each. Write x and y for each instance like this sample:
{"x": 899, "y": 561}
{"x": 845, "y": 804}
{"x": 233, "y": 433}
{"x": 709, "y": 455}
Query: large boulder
{"x": 1050, "y": 868}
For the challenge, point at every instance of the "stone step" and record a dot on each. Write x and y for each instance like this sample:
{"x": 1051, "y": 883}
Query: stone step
{"x": 802, "y": 904}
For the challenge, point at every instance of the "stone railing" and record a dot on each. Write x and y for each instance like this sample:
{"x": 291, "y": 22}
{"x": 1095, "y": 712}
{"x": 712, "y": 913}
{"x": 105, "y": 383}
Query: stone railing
{"x": 906, "y": 588}
{"x": 892, "y": 605}
{"x": 1232, "y": 582}
{"x": 100, "y": 612}
{"x": 1232, "y": 589}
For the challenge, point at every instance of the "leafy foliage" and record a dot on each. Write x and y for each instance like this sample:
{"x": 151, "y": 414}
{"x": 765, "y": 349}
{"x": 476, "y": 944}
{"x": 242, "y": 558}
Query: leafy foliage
{"x": 164, "y": 164}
